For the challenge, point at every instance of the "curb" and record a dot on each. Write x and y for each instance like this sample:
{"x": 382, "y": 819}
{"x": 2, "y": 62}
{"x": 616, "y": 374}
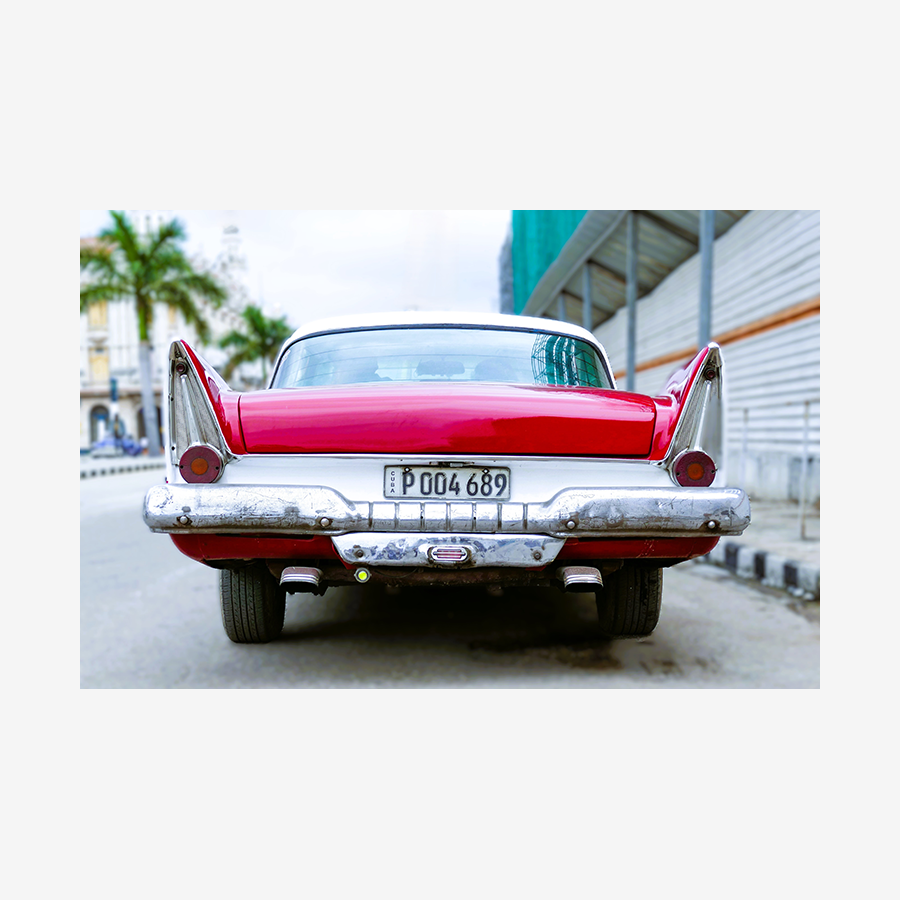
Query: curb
{"x": 770, "y": 569}
{"x": 116, "y": 468}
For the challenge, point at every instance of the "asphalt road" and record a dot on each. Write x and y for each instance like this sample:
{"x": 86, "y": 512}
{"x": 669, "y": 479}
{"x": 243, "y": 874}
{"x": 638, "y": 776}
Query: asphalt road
{"x": 150, "y": 619}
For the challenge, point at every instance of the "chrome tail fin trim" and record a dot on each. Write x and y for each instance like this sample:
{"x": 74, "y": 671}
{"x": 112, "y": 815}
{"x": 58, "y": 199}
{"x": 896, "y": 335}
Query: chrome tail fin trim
{"x": 191, "y": 418}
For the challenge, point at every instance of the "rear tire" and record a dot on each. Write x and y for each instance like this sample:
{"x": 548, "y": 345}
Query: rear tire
{"x": 252, "y": 605}
{"x": 629, "y": 603}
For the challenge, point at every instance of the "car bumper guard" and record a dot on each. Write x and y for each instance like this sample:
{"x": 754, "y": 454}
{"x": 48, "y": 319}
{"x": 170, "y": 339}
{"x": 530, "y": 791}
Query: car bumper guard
{"x": 638, "y": 512}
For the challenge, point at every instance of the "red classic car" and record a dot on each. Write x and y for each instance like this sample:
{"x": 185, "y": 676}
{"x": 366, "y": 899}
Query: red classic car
{"x": 439, "y": 449}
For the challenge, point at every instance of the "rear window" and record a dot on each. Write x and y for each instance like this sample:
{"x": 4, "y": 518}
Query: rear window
{"x": 440, "y": 354}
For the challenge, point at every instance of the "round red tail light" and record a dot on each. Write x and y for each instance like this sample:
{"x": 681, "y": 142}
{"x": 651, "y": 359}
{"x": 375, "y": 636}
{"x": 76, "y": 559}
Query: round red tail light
{"x": 694, "y": 468}
{"x": 200, "y": 464}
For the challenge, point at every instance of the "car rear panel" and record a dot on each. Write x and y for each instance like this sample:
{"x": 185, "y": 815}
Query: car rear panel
{"x": 449, "y": 418}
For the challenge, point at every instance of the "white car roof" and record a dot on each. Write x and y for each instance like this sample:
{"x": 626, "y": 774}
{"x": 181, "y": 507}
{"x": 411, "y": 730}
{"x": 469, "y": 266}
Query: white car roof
{"x": 483, "y": 320}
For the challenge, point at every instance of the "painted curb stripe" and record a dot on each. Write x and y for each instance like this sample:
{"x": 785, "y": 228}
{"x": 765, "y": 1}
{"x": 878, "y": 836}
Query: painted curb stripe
{"x": 115, "y": 470}
{"x": 768, "y": 568}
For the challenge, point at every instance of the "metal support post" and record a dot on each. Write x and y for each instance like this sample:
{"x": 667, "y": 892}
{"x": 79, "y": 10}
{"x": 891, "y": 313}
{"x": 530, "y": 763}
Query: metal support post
{"x": 587, "y": 303}
{"x": 631, "y": 290}
{"x": 743, "y": 482}
{"x": 804, "y": 465}
{"x": 707, "y": 238}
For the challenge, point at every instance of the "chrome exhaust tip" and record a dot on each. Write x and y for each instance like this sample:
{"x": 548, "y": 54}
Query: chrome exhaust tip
{"x": 580, "y": 578}
{"x": 301, "y": 580}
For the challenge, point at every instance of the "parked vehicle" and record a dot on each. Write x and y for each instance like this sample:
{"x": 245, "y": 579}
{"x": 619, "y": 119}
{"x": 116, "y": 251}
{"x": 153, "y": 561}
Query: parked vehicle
{"x": 112, "y": 446}
{"x": 442, "y": 449}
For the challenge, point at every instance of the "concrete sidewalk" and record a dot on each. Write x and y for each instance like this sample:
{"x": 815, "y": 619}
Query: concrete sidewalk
{"x": 770, "y": 551}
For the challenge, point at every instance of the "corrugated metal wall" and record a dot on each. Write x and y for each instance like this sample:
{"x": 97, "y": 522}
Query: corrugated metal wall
{"x": 765, "y": 315}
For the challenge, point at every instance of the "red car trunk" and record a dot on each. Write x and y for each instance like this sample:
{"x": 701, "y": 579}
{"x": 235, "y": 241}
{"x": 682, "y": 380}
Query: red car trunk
{"x": 483, "y": 419}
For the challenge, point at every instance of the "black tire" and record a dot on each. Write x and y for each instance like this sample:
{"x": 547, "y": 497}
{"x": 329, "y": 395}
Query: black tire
{"x": 629, "y": 603}
{"x": 252, "y": 605}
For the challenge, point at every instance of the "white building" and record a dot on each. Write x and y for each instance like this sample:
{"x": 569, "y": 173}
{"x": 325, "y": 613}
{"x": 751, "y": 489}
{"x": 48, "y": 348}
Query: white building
{"x": 109, "y": 340}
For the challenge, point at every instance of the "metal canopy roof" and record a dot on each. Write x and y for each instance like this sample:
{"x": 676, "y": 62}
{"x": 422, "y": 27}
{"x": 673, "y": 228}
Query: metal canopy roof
{"x": 665, "y": 239}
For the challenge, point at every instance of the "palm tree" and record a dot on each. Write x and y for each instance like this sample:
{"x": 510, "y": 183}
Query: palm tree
{"x": 148, "y": 269}
{"x": 261, "y": 338}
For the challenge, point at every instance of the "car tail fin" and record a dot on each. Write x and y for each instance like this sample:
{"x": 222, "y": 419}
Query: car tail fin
{"x": 197, "y": 410}
{"x": 697, "y": 393}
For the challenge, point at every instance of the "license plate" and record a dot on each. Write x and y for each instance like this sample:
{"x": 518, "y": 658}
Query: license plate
{"x": 458, "y": 483}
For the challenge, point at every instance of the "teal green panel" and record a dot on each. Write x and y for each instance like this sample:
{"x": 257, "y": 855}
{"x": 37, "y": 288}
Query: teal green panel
{"x": 538, "y": 235}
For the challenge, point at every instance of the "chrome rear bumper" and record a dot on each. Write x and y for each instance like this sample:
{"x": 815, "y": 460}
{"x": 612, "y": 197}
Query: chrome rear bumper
{"x": 640, "y": 512}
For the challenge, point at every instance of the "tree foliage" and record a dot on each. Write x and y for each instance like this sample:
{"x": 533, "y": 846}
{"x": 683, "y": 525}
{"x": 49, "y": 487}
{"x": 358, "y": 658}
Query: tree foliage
{"x": 260, "y": 339}
{"x": 150, "y": 269}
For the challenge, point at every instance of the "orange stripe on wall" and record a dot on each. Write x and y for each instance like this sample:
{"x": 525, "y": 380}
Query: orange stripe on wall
{"x": 768, "y": 323}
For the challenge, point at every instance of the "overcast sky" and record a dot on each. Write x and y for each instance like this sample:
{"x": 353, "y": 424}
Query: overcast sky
{"x": 308, "y": 264}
